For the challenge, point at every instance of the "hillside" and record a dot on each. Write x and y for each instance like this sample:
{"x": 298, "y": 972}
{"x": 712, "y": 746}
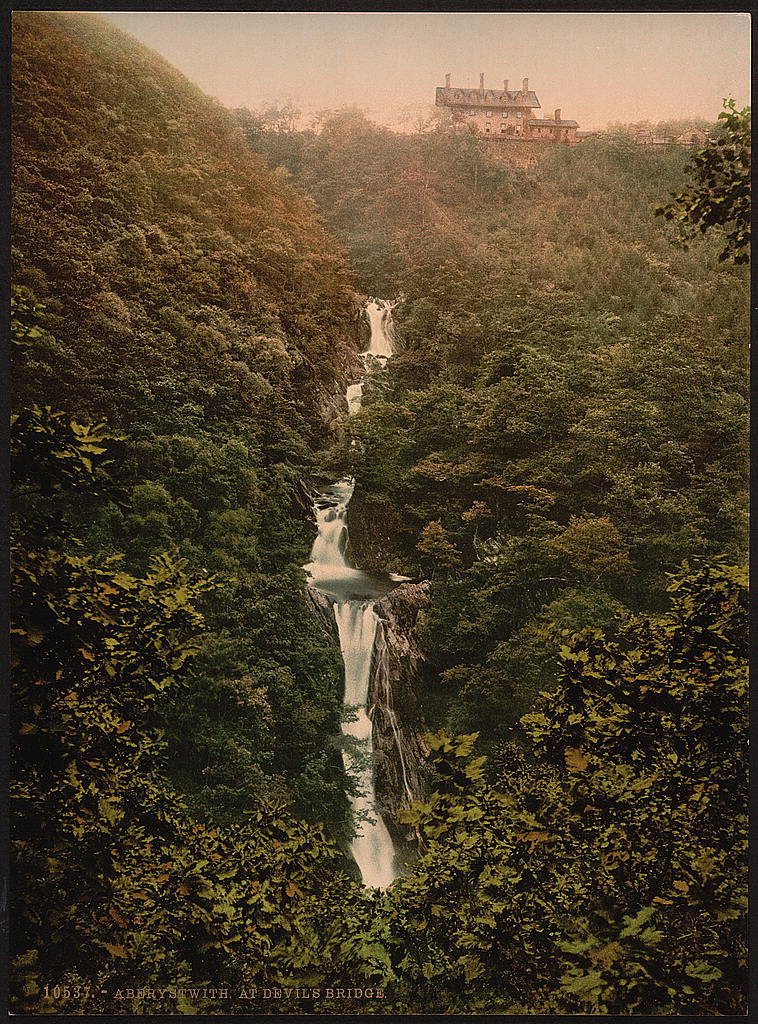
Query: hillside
{"x": 566, "y": 421}
{"x": 159, "y": 240}
{"x": 181, "y": 290}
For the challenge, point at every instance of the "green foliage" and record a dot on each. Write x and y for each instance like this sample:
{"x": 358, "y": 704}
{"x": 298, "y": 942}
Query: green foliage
{"x": 593, "y": 546}
{"x": 604, "y": 870}
{"x": 566, "y": 414}
{"x": 168, "y": 282}
{"x": 563, "y": 424}
{"x": 436, "y": 548}
{"x": 112, "y": 877}
{"x": 720, "y": 194}
{"x": 50, "y": 451}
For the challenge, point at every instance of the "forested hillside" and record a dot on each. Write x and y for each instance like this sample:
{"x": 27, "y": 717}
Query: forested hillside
{"x": 189, "y": 296}
{"x": 559, "y": 445}
{"x": 567, "y": 420}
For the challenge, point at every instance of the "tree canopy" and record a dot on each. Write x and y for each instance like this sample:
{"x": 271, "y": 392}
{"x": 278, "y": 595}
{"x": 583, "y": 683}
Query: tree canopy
{"x": 719, "y": 196}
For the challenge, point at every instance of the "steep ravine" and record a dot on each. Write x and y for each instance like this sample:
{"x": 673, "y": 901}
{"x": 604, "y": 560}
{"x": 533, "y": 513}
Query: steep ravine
{"x": 374, "y": 619}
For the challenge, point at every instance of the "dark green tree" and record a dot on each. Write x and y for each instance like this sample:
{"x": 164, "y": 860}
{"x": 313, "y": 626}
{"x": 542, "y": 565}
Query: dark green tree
{"x": 720, "y": 194}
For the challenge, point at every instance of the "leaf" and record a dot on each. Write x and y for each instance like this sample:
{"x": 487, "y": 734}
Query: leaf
{"x": 123, "y": 726}
{"x": 108, "y": 810}
{"x": 115, "y": 950}
{"x": 577, "y": 759}
{"x": 117, "y": 917}
{"x": 533, "y": 838}
{"x": 27, "y": 959}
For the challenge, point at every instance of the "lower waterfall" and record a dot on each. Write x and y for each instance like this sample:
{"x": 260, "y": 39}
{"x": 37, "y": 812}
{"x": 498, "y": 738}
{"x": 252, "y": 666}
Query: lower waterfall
{"x": 372, "y": 847}
{"x": 352, "y": 593}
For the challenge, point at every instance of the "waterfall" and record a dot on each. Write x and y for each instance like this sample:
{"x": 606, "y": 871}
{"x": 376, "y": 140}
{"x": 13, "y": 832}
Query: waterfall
{"x": 379, "y": 313}
{"x": 353, "y": 593}
{"x": 353, "y": 396}
{"x": 372, "y": 847}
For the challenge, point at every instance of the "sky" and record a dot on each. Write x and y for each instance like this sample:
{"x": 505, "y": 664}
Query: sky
{"x": 597, "y": 67}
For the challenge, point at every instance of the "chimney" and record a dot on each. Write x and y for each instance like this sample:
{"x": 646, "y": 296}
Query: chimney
{"x": 525, "y": 86}
{"x": 447, "y": 81}
{"x": 558, "y": 114}
{"x": 505, "y": 85}
{"x": 481, "y": 80}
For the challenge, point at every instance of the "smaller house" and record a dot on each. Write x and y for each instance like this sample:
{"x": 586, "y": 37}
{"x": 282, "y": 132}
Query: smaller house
{"x": 646, "y": 138}
{"x": 695, "y": 137}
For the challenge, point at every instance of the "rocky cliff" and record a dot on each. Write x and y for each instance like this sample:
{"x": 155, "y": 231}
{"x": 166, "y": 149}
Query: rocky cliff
{"x": 374, "y": 526}
{"x": 398, "y": 667}
{"x": 330, "y": 399}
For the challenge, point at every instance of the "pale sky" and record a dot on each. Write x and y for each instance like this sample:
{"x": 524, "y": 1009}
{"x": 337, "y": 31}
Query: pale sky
{"x": 597, "y": 67}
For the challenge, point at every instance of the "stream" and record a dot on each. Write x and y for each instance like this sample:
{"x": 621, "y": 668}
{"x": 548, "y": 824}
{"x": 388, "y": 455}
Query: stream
{"x": 353, "y": 594}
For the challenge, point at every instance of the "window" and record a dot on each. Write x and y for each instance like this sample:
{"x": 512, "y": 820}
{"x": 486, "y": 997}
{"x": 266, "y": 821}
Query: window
{"x": 489, "y": 113}
{"x": 472, "y": 113}
{"x": 504, "y": 114}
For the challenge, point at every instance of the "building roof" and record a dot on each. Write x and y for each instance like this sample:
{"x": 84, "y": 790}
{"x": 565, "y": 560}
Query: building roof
{"x": 542, "y": 122}
{"x": 658, "y": 140}
{"x": 485, "y": 98}
{"x": 688, "y": 135}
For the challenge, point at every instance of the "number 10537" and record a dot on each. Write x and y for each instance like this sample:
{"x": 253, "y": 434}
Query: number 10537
{"x": 65, "y": 991}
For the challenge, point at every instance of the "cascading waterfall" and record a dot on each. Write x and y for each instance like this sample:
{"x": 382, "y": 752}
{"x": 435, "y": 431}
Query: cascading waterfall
{"x": 353, "y": 593}
{"x": 379, "y": 313}
{"x": 372, "y": 846}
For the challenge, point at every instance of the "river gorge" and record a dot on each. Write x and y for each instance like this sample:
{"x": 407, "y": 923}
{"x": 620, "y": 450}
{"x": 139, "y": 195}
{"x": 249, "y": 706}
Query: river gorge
{"x": 382, "y": 762}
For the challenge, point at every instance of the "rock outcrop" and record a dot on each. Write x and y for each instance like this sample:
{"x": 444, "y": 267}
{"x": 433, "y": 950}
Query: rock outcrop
{"x": 323, "y": 610}
{"x": 374, "y": 525}
{"x": 330, "y": 401}
{"x": 398, "y": 668}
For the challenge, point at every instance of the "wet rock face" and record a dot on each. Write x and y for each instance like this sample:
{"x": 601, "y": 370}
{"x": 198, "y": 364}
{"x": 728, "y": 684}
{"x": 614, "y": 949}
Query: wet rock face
{"x": 322, "y": 608}
{"x": 398, "y": 666}
{"x": 330, "y": 400}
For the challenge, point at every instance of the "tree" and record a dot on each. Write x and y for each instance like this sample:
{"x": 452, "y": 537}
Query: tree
{"x": 720, "y": 194}
{"x": 593, "y": 546}
{"x": 112, "y": 877}
{"x": 437, "y": 548}
{"x": 603, "y": 870}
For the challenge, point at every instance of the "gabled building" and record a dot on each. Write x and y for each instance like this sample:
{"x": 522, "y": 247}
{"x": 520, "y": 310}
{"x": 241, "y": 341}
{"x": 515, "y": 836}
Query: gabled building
{"x": 646, "y": 138}
{"x": 694, "y": 137}
{"x": 504, "y": 113}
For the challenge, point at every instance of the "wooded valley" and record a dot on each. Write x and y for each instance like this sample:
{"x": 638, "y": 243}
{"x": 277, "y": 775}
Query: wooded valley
{"x": 559, "y": 445}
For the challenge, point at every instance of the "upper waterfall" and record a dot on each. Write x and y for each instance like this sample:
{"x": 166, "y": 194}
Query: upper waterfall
{"x": 379, "y": 313}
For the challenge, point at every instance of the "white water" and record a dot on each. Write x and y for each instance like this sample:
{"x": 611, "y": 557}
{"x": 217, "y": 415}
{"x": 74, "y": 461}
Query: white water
{"x": 353, "y": 396}
{"x": 379, "y": 313}
{"x": 353, "y": 593}
{"x": 372, "y": 846}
